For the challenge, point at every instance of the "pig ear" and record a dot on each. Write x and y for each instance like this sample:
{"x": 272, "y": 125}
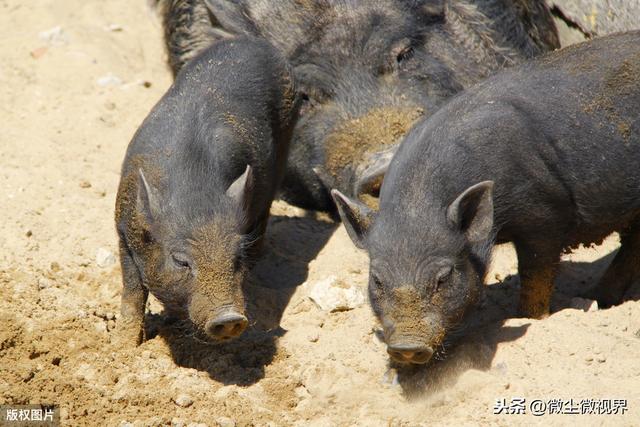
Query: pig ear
{"x": 241, "y": 189}
{"x": 232, "y": 16}
{"x": 472, "y": 212}
{"x": 433, "y": 10}
{"x": 369, "y": 179}
{"x": 355, "y": 216}
{"x": 147, "y": 202}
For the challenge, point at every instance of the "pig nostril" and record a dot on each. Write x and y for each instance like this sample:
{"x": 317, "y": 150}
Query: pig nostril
{"x": 407, "y": 354}
{"x": 218, "y": 330}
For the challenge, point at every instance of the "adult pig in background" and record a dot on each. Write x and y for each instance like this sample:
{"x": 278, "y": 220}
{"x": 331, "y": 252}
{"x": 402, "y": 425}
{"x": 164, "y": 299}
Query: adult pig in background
{"x": 197, "y": 183}
{"x": 578, "y": 20}
{"x": 544, "y": 155}
{"x": 367, "y": 70}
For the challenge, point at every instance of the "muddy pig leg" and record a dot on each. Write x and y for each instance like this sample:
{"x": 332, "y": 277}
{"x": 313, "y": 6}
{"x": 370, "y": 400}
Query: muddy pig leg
{"x": 624, "y": 269}
{"x": 537, "y": 265}
{"x": 134, "y": 300}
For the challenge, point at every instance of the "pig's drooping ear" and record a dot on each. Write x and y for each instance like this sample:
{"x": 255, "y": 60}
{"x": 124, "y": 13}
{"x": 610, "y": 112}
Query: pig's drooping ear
{"x": 241, "y": 189}
{"x": 232, "y": 16}
{"x": 146, "y": 202}
{"x": 356, "y": 217}
{"x": 472, "y": 212}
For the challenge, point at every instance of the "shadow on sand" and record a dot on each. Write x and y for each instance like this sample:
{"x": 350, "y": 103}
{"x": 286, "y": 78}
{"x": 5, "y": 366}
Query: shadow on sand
{"x": 290, "y": 244}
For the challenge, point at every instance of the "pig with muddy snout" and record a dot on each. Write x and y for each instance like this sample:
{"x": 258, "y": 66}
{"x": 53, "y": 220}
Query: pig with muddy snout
{"x": 545, "y": 155}
{"x": 197, "y": 183}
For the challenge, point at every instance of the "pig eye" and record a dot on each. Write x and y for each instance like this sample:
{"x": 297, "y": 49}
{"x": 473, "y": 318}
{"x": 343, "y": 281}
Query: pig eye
{"x": 307, "y": 103}
{"x": 443, "y": 276}
{"x": 404, "y": 54}
{"x": 180, "y": 260}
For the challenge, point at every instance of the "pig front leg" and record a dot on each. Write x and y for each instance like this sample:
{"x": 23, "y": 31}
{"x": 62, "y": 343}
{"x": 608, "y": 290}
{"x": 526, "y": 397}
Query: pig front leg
{"x": 134, "y": 300}
{"x": 537, "y": 266}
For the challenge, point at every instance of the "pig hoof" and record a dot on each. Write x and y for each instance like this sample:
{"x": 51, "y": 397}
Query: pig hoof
{"x": 129, "y": 333}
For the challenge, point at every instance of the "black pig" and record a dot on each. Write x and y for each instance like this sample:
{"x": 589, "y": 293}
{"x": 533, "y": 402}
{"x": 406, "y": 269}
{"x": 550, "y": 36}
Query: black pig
{"x": 197, "y": 182}
{"x": 545, "y": 155}
{"x": 367, "y": 70}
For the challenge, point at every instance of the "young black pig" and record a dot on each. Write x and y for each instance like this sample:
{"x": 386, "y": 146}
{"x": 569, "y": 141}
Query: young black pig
{"x": 545, "y": 155}
{"x": 197, "y": 182}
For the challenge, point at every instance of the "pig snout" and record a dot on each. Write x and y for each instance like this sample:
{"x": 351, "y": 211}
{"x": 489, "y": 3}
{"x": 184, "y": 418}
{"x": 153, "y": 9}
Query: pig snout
{"x": 226, "y": 325}
{"x": 410, "y": 352}
{"x": 412, "y": 341}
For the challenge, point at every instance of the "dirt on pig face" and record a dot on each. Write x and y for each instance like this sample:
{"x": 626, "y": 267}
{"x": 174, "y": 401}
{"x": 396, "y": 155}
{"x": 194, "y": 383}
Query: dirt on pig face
{"x": 375, "y": 131}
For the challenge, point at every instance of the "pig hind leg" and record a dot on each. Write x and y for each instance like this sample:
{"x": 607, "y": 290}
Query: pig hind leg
{"x": 623, "y": 271}
{"x": 537, "y": 266}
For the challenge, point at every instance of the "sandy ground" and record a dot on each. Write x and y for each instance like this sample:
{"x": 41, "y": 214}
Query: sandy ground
{"x": 70, "y": 100}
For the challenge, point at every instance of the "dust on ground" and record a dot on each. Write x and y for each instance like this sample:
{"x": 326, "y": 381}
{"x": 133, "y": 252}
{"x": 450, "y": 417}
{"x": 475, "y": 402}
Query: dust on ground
{"x": 77, "y": 78}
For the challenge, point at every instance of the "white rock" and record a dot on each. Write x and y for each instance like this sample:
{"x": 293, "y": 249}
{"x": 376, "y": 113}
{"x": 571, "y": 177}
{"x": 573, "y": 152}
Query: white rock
{"x": 109, "y": 80}
{"x": 225, "y": 422}
{"x": 584, "y": 304}
{"x": 104, "y": 258}
{"x": 54, "y": 35}
{"x": 183, "y": 400}
{"x": 332, "y": 294}
{"x": 224, "y": 392}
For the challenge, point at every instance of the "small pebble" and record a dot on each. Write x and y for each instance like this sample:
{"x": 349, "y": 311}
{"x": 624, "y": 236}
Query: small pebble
{"x": 104, "y": 258}
{"x": 314, "y": 337}
{"x": 29, "y": 233}
{"x": 109, "y": 80}
{"x": 44, "y": 283}
{"x": 39, "y": 52}
{"x": 54, "y": 35}
{"x": 223, "y": 393}
{"x": 225, "y": 422}
{"x": 601, "y": 359}
{"x": 85, "y": 184}
{"x": 183, "y": 400}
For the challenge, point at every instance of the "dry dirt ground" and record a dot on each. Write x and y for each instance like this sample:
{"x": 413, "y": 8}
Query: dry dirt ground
{"x": 71, "y": 97}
